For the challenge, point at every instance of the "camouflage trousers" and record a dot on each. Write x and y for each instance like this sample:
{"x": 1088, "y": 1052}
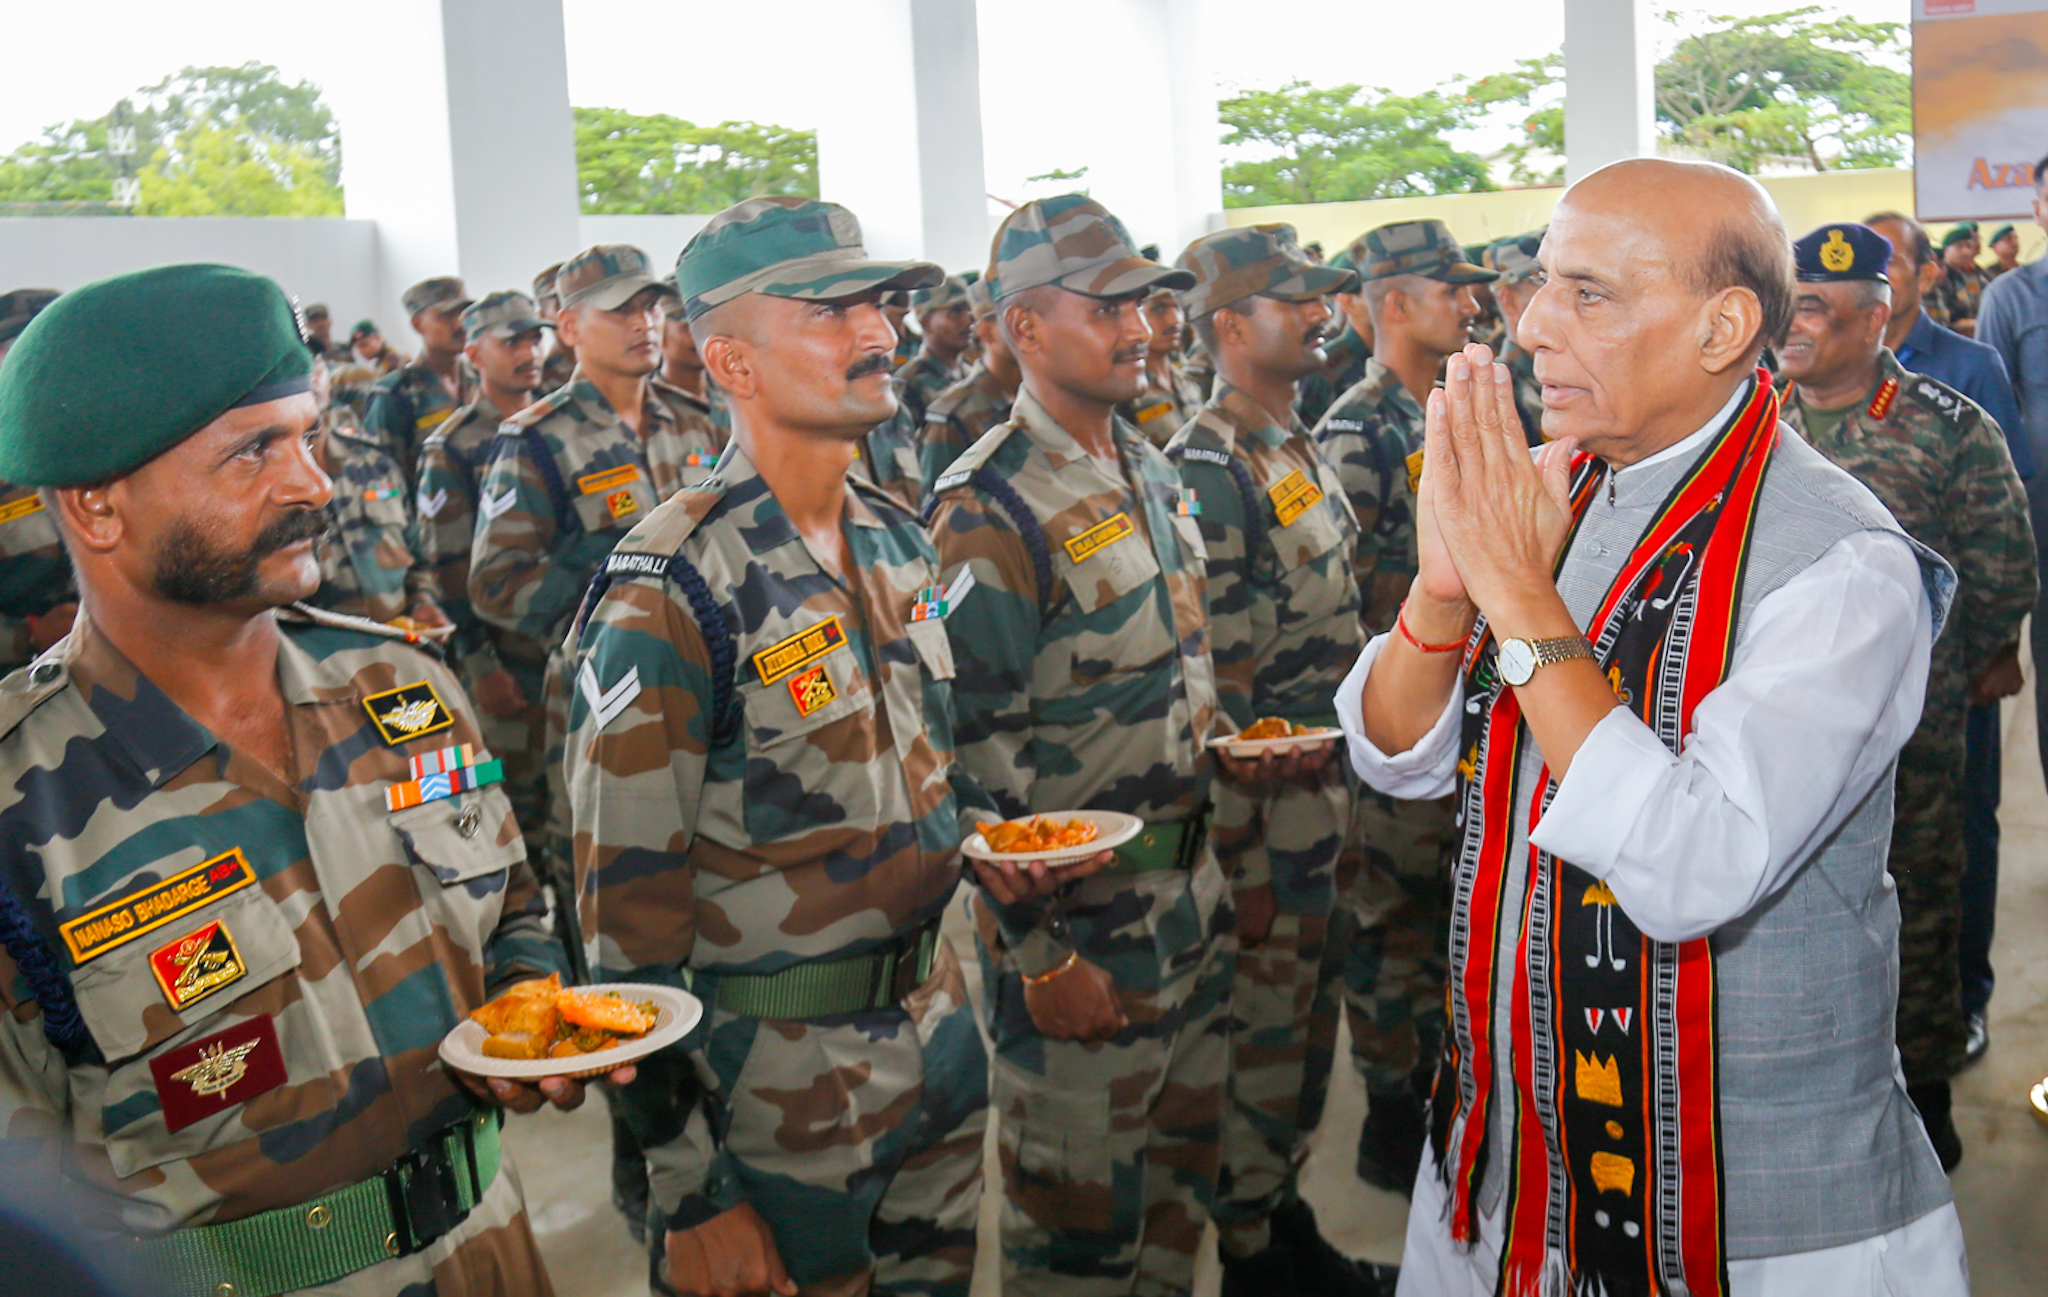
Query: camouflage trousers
{"x": 1283, "y": 999}
{"x": 1926, "y": 864}
{"x": 1109, "y": 1147}
{"x": 858, "y": 1138}
{"x": 1395, "y": 910}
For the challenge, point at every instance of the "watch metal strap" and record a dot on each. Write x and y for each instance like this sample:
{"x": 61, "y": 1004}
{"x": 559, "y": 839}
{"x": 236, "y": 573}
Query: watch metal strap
{"x": 1550, "y": 652}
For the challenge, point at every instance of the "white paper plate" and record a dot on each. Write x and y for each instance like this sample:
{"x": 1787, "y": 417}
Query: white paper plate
{"x": 1112, "y": 829}
{"x": 675, "y": 1013}
{"x": 1252, "y": 747}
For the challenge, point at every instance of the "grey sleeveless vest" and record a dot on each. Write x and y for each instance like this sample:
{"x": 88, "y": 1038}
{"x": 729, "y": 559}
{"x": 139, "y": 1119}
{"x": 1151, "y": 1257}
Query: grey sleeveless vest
{"x": 1820, "y": 1146}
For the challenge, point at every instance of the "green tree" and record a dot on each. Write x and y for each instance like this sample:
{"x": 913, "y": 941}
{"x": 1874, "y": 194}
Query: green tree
{"x": 197, "y": 133}
{"x": 1797, "y": 88}
{"x": 1346, "y": 142}
{"x": 630, "y": 163}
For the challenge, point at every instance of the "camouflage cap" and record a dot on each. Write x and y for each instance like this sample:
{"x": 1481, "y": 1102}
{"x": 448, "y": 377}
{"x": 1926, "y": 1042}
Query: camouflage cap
{"x": 786, "y": 247}
{"x": 1074, "y": 242}
{"x": 1423, "y": 248}
{"x": 606, "y": 276}
{"x": 317, "y": 311}
{"x": 544, "y": 283}
{"x": 980, "y": 299}
{"x": 20, "y": 306}
{"x": 443, "y": 291}
{"x": 1254, "y": 261}
{"x": 1515, "y": 258}
{"x": 948, "y": 292}
{"x": 503, "y": 314}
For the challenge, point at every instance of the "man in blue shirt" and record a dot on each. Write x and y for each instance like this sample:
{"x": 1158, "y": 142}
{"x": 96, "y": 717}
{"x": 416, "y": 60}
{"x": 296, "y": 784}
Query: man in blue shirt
{"x": 1976, "y": 370}
{"x": 2013, "y": 321}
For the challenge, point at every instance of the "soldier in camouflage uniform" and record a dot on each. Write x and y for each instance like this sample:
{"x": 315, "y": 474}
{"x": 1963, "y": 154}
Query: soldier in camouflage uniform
{"x": 560, "y": 364}
{"x": 1344, "y": 356}
{"x": 946, "y": 319}
{"x": 364, "y": 359}
{"x": 979, "y": 401}
{"x": 896, "y": 310}
{"x": 38, "y": 598}
{"x": 407, "y": 405}
{"x": 766, "y": 810}
{"x": 1940, "y": 465}
{"x": 1084, "y": 681}
{"x": 228, "y": 961}
{"x": 503, "y": 671}
{"x": 1170, "y": 396}
{"x": 2005, "y": 246}
{"x": 1520, "y": 277}
{"x": 320, "y": 334}
{"x": 1960, "y": 288}
{"x": 1417, "y": 287}
{"x": 373, "y": 559}
{"x": 682, "y": 368}
{"x": 1284, "y": 630}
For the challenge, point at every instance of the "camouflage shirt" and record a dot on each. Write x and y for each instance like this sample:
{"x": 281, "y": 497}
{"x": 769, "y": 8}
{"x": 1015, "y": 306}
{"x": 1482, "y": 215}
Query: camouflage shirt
{"x": 451, "y": 469}
{"x": 1163, "y": 407}
{"x": 958, "y": 418}
{"x": 371, "y": 562}
{"x": 1283, "y": 606}
{"x": 557, "y": 370}
{"x": 1942, "y": 468}
{"x": 920, "y": 382}
{"x": 1528, "y": 392}
{"x": 35, "y": 573}
{"x": 1083, "y": 645}
{"x": 1957, "y": 295}
{"x": 404, "y": 408}
{"x": 888, "y": 459}
{"x": 566, "y": 480}
{"x": 1372, "y": 436}
{"x": 338, "y": 939}
{"x": 1344, "y": 366}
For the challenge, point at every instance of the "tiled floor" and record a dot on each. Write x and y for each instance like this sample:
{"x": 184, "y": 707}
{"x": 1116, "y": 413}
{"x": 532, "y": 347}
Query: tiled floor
{"x": 2001, "y": 1187}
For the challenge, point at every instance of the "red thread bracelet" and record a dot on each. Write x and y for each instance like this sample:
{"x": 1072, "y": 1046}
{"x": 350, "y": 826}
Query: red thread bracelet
{"x": 1401, "y": 625}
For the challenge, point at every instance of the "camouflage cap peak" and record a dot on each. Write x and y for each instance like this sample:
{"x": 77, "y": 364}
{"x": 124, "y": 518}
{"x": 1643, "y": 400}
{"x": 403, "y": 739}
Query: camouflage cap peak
{"x": 1251, "y": 261}
{"x": 948, "y": 292}
{"x": 784, "y": 246}
{"x": 1074, "y": 242}
{"x": 442, "y": 290}
{"x": 606, "y": 276}
{"x": 1425, "y": 248}
{"x": 1515, "y": 257}
{"x": 503, "y": 314}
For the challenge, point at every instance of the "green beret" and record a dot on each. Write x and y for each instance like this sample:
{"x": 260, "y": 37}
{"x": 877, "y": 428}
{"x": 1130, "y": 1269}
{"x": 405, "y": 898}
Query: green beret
{"x": 1998, "y": 234}
{"x": 115, "y": 373}
{"x": 1966, "y": 230}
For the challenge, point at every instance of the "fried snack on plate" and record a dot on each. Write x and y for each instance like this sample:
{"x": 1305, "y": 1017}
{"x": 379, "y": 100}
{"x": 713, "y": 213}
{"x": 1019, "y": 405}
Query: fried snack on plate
{"x": 541, "y": 1019}
{"x": 1272, "y": 727}
{"x": 1015, "y": 837}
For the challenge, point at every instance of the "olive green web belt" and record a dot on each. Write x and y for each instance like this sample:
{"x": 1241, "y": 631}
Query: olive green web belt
{"x": 1173, "y": 845}
{"x": 396, "y": 1213}
{"x": 820, "y": 988}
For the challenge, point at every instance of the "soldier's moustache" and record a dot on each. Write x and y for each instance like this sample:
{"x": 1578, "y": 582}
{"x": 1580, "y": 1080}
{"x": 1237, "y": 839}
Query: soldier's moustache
{"x": 1130, "y": 355}
{"x": 875, "y": 363}
{"x": 192, "y": 569}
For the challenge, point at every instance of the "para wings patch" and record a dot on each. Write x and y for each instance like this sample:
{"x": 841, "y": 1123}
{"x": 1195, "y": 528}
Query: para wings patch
{"x": 408, "y": 712}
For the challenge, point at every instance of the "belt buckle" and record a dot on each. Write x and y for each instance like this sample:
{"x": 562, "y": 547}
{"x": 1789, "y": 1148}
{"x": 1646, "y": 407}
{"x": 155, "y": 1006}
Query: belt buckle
{"x": 420, "y": 1187}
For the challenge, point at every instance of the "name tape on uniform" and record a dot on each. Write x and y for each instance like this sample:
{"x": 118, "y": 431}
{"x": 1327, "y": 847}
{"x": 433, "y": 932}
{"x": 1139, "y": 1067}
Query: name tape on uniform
{"x": 1203, "y": 455}
{"x": 1293, "y": 496}
{"x": 618, "y": 564}
{"x": 610, "y": 479}
{"x": 408, "y": 712}
{"x": 21, "y": 508}
{"x": 1101, "y": 536}
{"x": 1414, "y": 463}
{"x": 786, "y": 657}
{"x": 111, "y": 926}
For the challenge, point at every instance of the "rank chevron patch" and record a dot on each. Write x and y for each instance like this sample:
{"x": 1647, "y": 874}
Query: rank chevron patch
{"x": 494, "y": 505}
{"x": 606, "y": 704}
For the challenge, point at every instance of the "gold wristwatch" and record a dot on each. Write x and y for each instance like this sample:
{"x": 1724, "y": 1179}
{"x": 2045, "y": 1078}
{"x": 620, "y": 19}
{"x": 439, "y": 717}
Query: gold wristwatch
{"x": 1519, "y": 659}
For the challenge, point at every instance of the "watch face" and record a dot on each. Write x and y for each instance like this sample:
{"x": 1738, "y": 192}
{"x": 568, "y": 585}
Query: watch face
{"x": 1517, "y": 661}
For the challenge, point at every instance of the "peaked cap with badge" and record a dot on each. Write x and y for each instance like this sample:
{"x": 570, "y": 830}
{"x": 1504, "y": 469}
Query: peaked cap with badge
{"x": 1841, "y": 252}
{"x": 70, "y": 416}
{"x": 1425, "y": 248}
{"x": 1074, "y": 242}
{"x": 782, "y": 246}
{"x": 1255, "y": 261}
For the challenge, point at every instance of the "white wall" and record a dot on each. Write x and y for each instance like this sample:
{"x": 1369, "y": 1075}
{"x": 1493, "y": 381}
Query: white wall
{"x": 317, "y": 259}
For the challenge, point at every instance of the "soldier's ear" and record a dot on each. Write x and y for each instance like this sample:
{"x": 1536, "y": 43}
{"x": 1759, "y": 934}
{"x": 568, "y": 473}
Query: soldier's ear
{"x": 728, "y": 364}
{"x": 88, "y": 514}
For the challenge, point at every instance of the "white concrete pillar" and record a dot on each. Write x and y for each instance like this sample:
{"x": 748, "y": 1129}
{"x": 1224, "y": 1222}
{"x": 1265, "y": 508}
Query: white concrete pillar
{"x": 904, "y": 153}
{"x": 462, "y": 148}
{"x": 1610, "y": 105}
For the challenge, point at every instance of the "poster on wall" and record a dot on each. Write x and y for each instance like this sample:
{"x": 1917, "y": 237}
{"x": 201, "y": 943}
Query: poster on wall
{"x": 1980, "y": 106}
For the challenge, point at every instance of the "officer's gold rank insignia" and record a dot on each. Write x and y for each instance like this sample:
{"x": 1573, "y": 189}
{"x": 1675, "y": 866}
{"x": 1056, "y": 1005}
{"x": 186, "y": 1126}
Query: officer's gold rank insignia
{"x": 812, "y": 689}
{"x": 197, "y": 964}
{"x": 1293, "y": 496}
{"x": 408, "y": 712}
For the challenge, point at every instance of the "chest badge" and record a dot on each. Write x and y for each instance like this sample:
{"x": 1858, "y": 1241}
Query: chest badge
{"x": 197, "y": 964}
{"x": 786, "y": 657}
{"x": 1414, "y": 463}
{"x": 436, "y": 775}
{"x": 1100, "y": 537}
{"x": 384, "y": 492}
{"x": 218, "y": 1072}
{"x": 408, "y": 712}
{"x": 1188, "y": 506}
{"x": 812, "y": 689}
{"x": 1292, "y": 496}
{"x": 927, "y": 603}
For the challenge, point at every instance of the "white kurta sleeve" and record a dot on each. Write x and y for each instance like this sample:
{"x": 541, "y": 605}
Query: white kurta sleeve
{"x": 1825, "y": 688}
{"x": 1429, "y": 769}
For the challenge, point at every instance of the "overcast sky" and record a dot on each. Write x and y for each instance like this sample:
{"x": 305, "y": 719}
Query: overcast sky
{"x": 688, "y": 57}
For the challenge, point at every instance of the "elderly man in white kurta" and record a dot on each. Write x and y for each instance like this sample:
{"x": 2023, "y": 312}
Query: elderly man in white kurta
{"x": 1667, "y": 666}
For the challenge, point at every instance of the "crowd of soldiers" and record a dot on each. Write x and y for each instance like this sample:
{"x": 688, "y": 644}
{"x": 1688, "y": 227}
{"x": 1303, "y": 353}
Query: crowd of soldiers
{"x": 763, "y": 610}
